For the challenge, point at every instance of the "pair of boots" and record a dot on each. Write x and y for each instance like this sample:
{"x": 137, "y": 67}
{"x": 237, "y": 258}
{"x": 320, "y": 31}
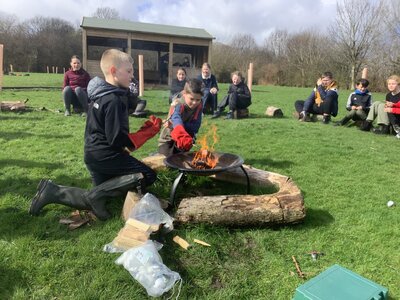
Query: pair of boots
{"x": 95, "y": 199}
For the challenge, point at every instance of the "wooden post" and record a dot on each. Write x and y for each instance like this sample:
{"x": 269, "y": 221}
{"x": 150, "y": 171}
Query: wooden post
{"x": 141, "y": 76}
{"x": 64, "y": 70}
{"x": 250, "y": 76}
{"x": 364, "y": 73}
{"x": 56, "y": 70}
{"x": 1, "y": 66}
{"x": 52, "y": 69}
{"x": 48, "y": 69}
{"x": 11, "y": 68}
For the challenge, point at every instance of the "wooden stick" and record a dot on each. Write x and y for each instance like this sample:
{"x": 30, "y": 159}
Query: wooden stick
{"x": 141, "y": 76}
{"x": 250, "y": 76}
{"x": 181, "y": 242}
{"x": 299, "y": 272}
{"x": 1, "y": 66}
{"x": 201, "y": 242}
{"x": 364, "y": 73}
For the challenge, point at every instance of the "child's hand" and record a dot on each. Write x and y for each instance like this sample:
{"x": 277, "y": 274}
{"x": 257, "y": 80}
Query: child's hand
{"x": 388, "y": 104}
{"x": 388, "y": 109}
{"x": 213, "y": 90}
{"x": 319, "y": 81}
{"x": 353, "y": 107}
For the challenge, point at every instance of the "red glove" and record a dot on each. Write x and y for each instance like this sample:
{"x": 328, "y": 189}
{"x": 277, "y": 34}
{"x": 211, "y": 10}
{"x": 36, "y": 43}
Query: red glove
{"x": 183, "y": 139}
{"x": 149, "y": 129}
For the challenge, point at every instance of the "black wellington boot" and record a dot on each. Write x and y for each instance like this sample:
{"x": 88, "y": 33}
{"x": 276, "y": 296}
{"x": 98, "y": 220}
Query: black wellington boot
{"x": 382, "y": 129}
{"x": 366, "y": 125}
{"x": 78, "y": 198}
{"x": 115, "y": 187}
{"x": 48, "y": 192}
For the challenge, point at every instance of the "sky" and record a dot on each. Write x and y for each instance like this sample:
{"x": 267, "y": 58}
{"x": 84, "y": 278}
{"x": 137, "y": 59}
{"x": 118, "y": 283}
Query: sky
{"x": 223, "y": 19}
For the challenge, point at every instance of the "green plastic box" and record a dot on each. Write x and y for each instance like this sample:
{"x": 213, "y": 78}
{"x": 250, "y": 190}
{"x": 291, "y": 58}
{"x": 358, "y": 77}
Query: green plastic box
{"x": 338, "y": 283}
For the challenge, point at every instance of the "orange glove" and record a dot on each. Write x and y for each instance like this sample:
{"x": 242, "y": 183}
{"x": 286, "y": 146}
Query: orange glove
{"x": 149, "y": 129}
{"x": 182, "y": 139}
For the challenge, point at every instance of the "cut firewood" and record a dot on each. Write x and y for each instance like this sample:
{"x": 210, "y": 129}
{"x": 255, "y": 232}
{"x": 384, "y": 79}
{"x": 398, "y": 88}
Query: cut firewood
{"x": 201, "y": 242}
{"x": 181, "y": 242}
{"x": 126, "y": 243}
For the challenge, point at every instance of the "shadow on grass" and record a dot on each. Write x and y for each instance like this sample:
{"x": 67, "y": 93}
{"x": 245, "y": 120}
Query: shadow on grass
{"x": 269, "y": 162}
{"x": 9, "y": 278}
{"x": 19, "y": 116}
{"x": 316, "y": 218}
{"x": 29, "y": 164}
{"x": 20, "y": 135}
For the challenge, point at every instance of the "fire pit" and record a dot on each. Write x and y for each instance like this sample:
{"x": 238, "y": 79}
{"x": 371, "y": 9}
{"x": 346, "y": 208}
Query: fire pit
{"x": 184, "y": 163}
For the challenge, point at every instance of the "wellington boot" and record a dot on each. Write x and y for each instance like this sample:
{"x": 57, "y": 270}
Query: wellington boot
{"x": 366, "y": 125}
{"x": 115, "y": 187}
{"x": 48, "y": 192}
{"x": 95, "y": 199}
{"x": 382, "y": 129}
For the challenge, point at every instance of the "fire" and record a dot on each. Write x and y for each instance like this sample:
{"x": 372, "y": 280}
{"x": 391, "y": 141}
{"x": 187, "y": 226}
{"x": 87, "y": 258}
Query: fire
{"x": 204, "y": 158}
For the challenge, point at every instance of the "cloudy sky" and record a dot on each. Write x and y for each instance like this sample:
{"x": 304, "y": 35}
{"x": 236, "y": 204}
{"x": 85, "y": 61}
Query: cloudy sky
{"x": 221, "y": 18}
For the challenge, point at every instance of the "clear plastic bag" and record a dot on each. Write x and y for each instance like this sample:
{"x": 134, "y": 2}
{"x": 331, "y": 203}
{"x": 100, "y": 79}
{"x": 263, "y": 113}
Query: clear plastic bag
{"x": 146, "y": 266}
{"x": 148, "y": 210}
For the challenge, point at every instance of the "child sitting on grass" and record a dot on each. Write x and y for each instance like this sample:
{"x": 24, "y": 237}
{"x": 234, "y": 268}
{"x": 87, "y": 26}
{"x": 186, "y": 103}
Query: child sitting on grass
{"x": 107, "y": 144}
{"x": 184, "y": 120}
{"x": 358, "y": 103}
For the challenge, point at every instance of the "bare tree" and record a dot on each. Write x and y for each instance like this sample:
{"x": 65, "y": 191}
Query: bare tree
{"x": 106, "y": 13}
{"x": 355, "y": 30}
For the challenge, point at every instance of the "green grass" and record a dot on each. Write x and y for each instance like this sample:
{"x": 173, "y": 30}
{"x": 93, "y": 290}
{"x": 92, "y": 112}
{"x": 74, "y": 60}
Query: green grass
{"x": 346, "y": 175}
{"x": 33, "y": 80}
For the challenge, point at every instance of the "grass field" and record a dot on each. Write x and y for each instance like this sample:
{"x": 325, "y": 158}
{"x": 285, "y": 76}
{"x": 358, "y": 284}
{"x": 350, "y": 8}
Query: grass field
{"x": 346, "y": 177}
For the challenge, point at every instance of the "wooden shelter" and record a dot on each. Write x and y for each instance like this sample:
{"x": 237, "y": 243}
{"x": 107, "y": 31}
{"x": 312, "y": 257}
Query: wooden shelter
{"x": 163, "y": 47}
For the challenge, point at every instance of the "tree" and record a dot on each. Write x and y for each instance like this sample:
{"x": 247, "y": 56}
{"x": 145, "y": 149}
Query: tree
{"x": 355, "y": 30}
{"x": 106, "y": 13}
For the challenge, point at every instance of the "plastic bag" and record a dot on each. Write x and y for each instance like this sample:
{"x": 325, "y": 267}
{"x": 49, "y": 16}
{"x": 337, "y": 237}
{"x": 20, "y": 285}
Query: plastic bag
{"x": 148, "y": 210}
{"x": 146, "y": 266}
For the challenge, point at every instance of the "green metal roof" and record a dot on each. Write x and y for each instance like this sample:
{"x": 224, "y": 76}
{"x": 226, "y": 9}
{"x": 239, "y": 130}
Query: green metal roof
{"x": 123, "y": 25}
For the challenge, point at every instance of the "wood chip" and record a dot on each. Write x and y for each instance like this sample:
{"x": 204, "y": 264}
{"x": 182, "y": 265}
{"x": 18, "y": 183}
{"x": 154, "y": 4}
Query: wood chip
{"x": 201, "y": 242}
{"x": 181, "y": 242}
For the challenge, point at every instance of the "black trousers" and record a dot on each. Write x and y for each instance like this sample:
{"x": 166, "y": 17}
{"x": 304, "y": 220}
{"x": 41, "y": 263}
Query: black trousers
{"x": 234, "y": 101}
{"x": 123, "y": 164}
{"x": 313, "y": 108}
{"x": 394, "y": 119}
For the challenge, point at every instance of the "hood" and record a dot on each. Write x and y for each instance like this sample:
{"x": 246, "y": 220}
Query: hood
{"x": 98, "y": 88}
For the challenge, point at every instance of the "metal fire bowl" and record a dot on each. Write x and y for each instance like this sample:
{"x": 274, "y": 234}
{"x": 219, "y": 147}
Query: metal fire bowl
{"x": 181, "y": 161}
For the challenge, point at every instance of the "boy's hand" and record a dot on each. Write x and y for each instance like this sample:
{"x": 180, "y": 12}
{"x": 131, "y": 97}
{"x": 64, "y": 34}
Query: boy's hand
{"x": 388, "y": 104}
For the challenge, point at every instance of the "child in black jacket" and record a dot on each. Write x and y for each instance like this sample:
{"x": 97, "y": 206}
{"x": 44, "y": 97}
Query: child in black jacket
{"x": 358, "y": 103}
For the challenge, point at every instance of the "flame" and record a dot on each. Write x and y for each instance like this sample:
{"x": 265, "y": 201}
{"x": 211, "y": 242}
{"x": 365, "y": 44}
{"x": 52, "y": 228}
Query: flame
{"x": 204, "y": 158}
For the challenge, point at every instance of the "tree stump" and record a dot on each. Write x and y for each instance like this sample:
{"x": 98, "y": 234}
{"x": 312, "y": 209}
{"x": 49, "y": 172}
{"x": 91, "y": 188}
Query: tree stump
{"x": 241, "y": 113}
{"x": 283, "y": 207}
{"x": 274, "y": 112}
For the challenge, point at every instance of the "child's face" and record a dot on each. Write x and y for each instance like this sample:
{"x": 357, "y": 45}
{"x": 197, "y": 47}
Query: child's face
{"x": 191, "y": 100}
{"x": 361, "y": 88}
{"x": 123, "y": 75}
{"x": 180, "y": 75}
{"x": 236, "y": 79}
{"x": 205, "y": 71}
{"x": 75, "y": 64}
{"x": 392, "y": 85}
{"x": 326, "y": 81}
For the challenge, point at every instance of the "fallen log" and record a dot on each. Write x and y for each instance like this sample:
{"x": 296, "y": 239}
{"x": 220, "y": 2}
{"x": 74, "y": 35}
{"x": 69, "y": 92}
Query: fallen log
{"x": 274, "y": 112}
{"x": 13, "y": 105}
{"x": 286, "y": 206}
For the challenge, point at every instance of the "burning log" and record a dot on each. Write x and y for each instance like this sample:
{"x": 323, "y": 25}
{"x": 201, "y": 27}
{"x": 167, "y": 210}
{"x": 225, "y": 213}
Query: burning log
{"x": 204, "y": 159}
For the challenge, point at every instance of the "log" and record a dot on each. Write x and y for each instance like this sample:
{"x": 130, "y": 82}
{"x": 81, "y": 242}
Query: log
{"x": 286, "y": 206}
{"x": 283, "y": 207}
{"x": 274, "y": 112}
{"x": 13, "y": 105}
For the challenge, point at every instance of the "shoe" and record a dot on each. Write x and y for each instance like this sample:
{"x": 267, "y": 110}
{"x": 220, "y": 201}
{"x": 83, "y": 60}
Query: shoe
{"x": 229, "y": 116}
{"x": 396, "y": 128}
{"x": 83, "y": 115}
{"x": 398, "y": 136}
{"x": 339, "y": 123}
{"x": 304, "y": 117}
{"x": 366, "y": 125}
{"x": 216, "y": 114}
{"x": 326, "y": 119}
{"x": 67, "y": 113}
{"x": 382, "y": 129}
